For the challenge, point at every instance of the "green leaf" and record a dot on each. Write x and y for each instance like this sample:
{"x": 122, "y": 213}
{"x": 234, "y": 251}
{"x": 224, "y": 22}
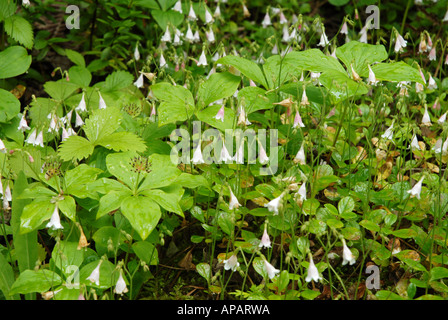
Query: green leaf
{"x": 404, "y": 233}
{"x": 146, "y": 252}
{"x": 208, "y": 114}
{"x": 111, "y": 201}
{"x": 123, "y": 141}
{"x": 369, "y": 225}
{"x": 204, "y": 270}
{"x": 218, "y": 86}
{"x": 65, "y": 254}
{"x": 191, "y": 181}
{"x": 277, "y": 71}
{"x": 255, "y": 99}
{"x": 142, "y": 213}
{"x": 163, "y": 172}
{"x": 20, "y": 30}
{"x": 35, "y": 281}
{"x": 35, "y": 213}
{"x": 177, "y": 103}
{"x": 247, "y": 67}
{"x": 75, "y": 57}
{"x": 75, "y": 148}
{"x": 167, "y": 200}
{"x": 396, "y": 71}
{"x": 106, "y": 274}
{"x": 6, "y": 278}
{"x": 9, "y": 105}
{"x": 163, "y": 18}
{"x": 118, "y": 80}
{"x": 437, "y": 273}
{"x": 346, "y": 205}
{"x": 80, "y": 76}
{"x": 68, "y": 207}
{"x": 388, "y": 295}
{"x": 360, "y": 55}
{"x": 25, "y": 245}
{"x": 313, "y": 60}
{"x": 61, "y": 89}
{"x": 119, "y": 165}
{"x": 101, "y": 123}
{"x": 14, "y": 61}
{"x": 77, "y": 180}
{"x": 340, "y": 86}
{"x": 7, "y": 9}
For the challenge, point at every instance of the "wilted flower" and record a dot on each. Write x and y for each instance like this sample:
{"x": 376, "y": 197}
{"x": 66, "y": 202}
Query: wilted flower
{"x": 417, "y": 189}
{"x": 274, "y": 204}
{"x": 355, "y": 76}
{"x": 270, "y": 269}
{"x": 347, "y": 255}
{"x": 55, "y": 221}
{"x": 95, "y": 275}
{"x": 231, "y": 263}
{"x": 313, "y": 273}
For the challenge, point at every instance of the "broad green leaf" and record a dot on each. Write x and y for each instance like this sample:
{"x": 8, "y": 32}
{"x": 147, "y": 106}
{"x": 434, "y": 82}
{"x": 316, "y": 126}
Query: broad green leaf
{"x": 313, "y": 60}
{"x": 102, "y": 123}
{"x": 396, "y": 71}
{"x": 77, "y": 180}
{"x": 204, "y": 270}
{"x": 177, "y": 103}
{"x": 151, "y": 4}
{"x": 167, "y": 200}
{"x": 20, "y": 30}
{"x": 247, "y": 67}
{"x": 163, "y": 172}
{"x": 9, "y": 105}
{"x": 75, "y": 57}
{"x": 75, "y": 148}
{"x": 388, "y": 295}
{"x": 7, "y": 9}
{"x": 120, "y": 166}
{"x": 106, "y": 274}
{"x": 35, "y": 281}
{"x": 191, "y": 181}
{"x": 164, "y": 18}
{"x": 277, "y": 72}
{"x": 146, "y": 252}
{"x": 6, "y": 278}
{"x": 340, "y": 86}
{"x": 118, "y": 80}
{"x": 142, "y": 213}
{"x": 107, "y": 240}
{"x": 437, "y": 273}
{"x": 360, "y": 55}
{"x": 80, "y": 76}
{"x": 35, "y": 213}
{"x": 122, "y": 141}
{"x": 369, "y": 225}
{"x": 61, "y": 89}
{"x": 68, "y": 207}
{"x": 405, "y": 233}
{"x": 111, "y": 201}
{"x": 25, "y": 245}
{"x": 66, "y": 254}
{"x": 218, "y": 86}
{"x": 14, "y": 61}
{"x": 208, "y": 114}
{"x": 346, "y": 205}
{"x": 255, "y": 98}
